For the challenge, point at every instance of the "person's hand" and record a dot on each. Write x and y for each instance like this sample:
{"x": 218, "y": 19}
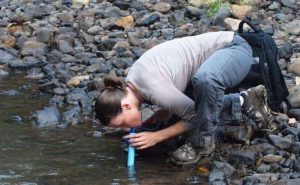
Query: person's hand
{"x": 143, "y": 140}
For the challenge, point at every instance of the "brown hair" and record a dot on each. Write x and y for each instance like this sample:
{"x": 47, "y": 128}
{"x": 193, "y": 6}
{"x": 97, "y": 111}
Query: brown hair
{"x": 108, "y": 103}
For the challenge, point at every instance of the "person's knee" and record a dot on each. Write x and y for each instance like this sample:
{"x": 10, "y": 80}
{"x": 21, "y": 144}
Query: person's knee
{"x": 205, "y": 80}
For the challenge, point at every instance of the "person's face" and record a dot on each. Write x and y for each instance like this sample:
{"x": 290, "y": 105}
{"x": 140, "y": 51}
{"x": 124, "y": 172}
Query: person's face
{"x": 129, "y": 117}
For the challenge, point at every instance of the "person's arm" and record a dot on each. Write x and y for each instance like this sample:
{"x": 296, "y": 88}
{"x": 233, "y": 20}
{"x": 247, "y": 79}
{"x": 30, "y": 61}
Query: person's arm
{"x": 144, "y": 140}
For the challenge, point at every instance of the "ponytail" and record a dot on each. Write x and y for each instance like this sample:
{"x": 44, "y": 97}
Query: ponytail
{"x": 108, "y": 103}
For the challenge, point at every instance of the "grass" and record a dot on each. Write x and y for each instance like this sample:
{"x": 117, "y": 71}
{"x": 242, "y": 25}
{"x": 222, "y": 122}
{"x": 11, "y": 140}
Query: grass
{"x": 213, "y": 8}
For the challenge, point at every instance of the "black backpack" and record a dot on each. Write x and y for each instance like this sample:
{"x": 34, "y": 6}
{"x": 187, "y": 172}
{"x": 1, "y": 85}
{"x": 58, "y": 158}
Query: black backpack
{"x": 264, "y": 47}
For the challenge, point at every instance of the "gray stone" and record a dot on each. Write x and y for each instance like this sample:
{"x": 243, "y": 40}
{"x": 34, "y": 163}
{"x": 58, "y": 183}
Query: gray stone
{"x": 5, "y": 57}
{"x": 3, "y": 73}
{"x": 193, "y": 10}
{"x": 274, "y": 6}
{"x": 280, "y": 142}
{"x": 71, "y": 117}
{"x": 288, "y": 3}
{"x": 26, "y": 63}
{"x": 148, "y": 20}
{"x": 223, "y": 13}
{"x": 291, "y": 130}
{"x": 293, "y": 27}
{"x": 263, "y": 168}
{"x": 226, "y": 168}
{"x": 242, "y": 157}
{"x": 286, "y": 182}
{"x": 162, "y": 7}
{"x": 44, "y": 35}
{"x": 240, "y": 133}
{"x": 265, "y": 178}
{"x": 285, "y": 51}
{"x": 34, "y": 49}
{"x": 65, "y": 47}
{"x": 47, "y": 117}
{"x": 216, "y": 175}
{"x": 294, "y": 96}
{"x": 294, "y": 113}
{"x": 295, "y": 148}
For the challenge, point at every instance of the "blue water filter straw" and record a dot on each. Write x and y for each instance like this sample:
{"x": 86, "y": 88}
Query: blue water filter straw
{"x": 131, "y": 150}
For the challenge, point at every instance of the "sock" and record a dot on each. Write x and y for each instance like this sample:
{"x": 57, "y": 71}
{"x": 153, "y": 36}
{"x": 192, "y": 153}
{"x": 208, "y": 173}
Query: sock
{"x": 242, "y": 100}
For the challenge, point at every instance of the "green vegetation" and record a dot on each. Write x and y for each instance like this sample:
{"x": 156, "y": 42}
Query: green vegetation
{"x": 213, "y": 8}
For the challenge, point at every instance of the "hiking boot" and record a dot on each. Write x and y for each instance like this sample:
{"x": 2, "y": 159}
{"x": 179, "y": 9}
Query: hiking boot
{"x": 255, "y": 106}
{"x": 189, "y": 155}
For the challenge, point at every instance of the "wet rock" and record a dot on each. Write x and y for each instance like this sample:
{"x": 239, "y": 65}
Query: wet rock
{"x": 162, "y": 7}
{"x": 47, "y": 117}
{"x": 125, "y": 22}
{"x": 26, "y": 63}
{"x": 34, "y": 49}
{"x": 241, "y": 11}
{"x": 16, "y": 119}
{"x": 294, "y": 98}
{"x": 3, "y": 73}
{"x": 10, "y": 92}
{"x": 148, "y": 20}
{"x": 75, "y": 81}
{"x": 272, "y": 158}
{"x": 293, "y": 27}
{"x": 71, "y": 117}
{"x": 242, "y": 157}
{"x": 95, "y": 133}
{"x": 35, "y": 73}
{"x": 280, "y": 142}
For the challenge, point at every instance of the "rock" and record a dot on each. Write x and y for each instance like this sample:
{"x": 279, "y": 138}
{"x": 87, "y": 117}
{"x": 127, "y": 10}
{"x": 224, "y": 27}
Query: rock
{"x": 96, "y": 134}
{"x": 291, "y": 130}
{"x": 10, "y": 92}
{"x": 200, "y": 3}
{"x": 294, "y": 113}
{"x": 294, "y": 67}
{"x": 288, "y": 3}
{"x": 223, "y": 13}
{"x": 44, "y": 35}
{"x": 272, "y": 158}
{"x": 71, "y": 117}
{"x": 263, "y": 168}
{"x": 125, "y": 22}
{"x": 26, "y": 63}
{"x": 224, "y": 167}
{"x": 106, "y": 45}
{"x": 286, "y": 182}
{"x": 274, "y": 6}
{"x": 286, "y": 51}
{"x": 280, "y": 142}
{"x": 148, "y": 20}
{"x": 3, "y": 73}
{"x": 242, "y": 157}
{"x": 65, "y": 47}
{"x": 34, "y": 49}
{"x": 75, "y": 81}
{"x": 265, "y": 178}
{"x": 34, "y": 73}
{"x": 216, "y": 175}
{"x": 8, "y": 40}
{"x": 162, "y": 7}
{"x": 293, "y": 27}
{"x": 294, "y": 98}
{"x": 241, "y": 11}
{"x": 47, "y": 117}
{"x": 240, "y": 133}
{"x": 95, "y": 30}
{"x": 96, "y": 84}
{"x": 5, "y": 57}
{"x": 194, "y": 11}
{"x": 295, "y": 148}
{"x": 233, "y": 24}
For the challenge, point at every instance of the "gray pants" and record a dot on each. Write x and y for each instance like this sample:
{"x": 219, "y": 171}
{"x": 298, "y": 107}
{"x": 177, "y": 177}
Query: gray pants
{"x": 224, "y": 69}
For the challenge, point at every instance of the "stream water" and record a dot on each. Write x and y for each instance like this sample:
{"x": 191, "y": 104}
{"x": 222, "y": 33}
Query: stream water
{"x": 29, "y": 155}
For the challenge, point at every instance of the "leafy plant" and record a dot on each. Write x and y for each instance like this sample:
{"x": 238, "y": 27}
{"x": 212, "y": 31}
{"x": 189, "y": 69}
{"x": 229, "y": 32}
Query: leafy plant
{"x": 213, "y": 8}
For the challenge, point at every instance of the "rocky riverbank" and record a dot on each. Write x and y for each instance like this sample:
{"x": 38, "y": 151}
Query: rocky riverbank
{"x": 68, "y": 48}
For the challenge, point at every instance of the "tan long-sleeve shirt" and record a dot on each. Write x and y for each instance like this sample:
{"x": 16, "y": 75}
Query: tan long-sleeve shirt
{"x": 162, "y": 73}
